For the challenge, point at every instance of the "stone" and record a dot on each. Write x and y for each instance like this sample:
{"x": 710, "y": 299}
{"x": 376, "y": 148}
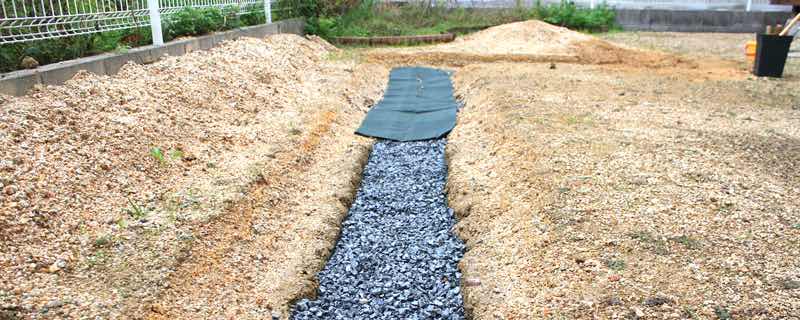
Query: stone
{"x": 472, "y": 282}
{"x": 790, "y": 284}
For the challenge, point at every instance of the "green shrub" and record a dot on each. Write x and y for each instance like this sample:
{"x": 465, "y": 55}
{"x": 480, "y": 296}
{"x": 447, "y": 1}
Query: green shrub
{"x": 60, "y": 49}
{"x": 567, "y": 14}
{"x": 372, "y": 18}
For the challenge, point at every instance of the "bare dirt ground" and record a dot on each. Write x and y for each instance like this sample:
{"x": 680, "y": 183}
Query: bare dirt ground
{"x": 626, "y": 191}
{"x": 232, "y": 215}
{"x": 642, "y": 175}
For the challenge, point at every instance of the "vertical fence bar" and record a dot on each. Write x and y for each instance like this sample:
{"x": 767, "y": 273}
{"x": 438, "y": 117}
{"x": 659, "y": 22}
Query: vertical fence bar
{"x": 155, "y": 22}
{"x": 268, "y": 10}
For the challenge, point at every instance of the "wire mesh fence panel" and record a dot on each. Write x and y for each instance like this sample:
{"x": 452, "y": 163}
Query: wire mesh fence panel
{"x": 27, "y": 20}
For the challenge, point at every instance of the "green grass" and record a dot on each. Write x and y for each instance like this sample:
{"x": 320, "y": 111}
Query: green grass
{"x": 135, "y": 210}
{"x": 156, "y": 153}
{"x": 370, "y": 18}
{"x": 616, "y": 265}
{"x": 373, "y": 19}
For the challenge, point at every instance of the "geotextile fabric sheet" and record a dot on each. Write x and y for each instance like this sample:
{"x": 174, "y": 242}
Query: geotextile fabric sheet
{"x": 417, "y": 105}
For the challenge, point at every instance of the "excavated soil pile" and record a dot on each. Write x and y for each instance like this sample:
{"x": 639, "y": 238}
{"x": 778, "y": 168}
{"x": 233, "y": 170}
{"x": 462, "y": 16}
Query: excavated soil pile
{"x": 527, "y": 41}
{"x": 107, "y": 183}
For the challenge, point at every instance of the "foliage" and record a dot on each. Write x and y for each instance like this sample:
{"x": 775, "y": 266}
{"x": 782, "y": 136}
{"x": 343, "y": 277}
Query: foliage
{"x": 135, "y": 211}
{"x": 297, "y": 8}
{"x": 199, "y": 21}
{"x": 374, "y": 18}
{"x": 370, "y": 18}
{"x": 60, "y": 49}
{"x": 156, "y": 153}
{"x": 567, "y": 14}
{"x": 185, "y": 22}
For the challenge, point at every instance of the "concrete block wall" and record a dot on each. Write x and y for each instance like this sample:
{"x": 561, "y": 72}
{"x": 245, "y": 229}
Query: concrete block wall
{"x": 699, "y": 21}
{"x": 18, "y": 83}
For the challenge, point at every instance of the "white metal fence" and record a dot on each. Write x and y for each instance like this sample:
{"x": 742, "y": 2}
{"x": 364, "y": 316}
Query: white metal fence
{"x": 28, "y": 20}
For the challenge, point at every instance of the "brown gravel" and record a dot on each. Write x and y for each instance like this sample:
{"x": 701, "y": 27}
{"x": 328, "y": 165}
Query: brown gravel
{"x": 95, "y": 222}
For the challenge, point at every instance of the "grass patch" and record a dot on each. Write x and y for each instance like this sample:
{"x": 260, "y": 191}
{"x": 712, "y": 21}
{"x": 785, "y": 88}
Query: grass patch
{"x": 616, "y": 265}
{"x": 650, "y": 241}
{"x": 100, "y": 257}
{"x": 135, "y": 211}
{"x": 156, "y": 153}
{"x": 688, "y": 242}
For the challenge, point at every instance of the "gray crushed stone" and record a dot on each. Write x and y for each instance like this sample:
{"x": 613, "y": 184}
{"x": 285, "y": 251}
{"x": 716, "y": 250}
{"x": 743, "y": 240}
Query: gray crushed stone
{"x": 397, "y": 257}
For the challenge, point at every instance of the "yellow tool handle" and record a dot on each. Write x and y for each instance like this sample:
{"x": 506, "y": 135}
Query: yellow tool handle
{"x": 790, "y": 25}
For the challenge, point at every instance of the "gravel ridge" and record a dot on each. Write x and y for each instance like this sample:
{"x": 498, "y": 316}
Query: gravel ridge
{"x": 397, "y": 257}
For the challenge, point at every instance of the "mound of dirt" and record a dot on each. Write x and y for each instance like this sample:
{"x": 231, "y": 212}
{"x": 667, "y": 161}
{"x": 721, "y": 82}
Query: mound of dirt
{"x": 106, "y": 182}
{"x": 528, "y": 41}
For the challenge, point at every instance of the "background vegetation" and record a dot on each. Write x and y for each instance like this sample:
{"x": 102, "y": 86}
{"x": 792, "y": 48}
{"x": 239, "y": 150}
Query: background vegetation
{"x": 372, "y": 18}
{"x": 186, "y": 22}
{"x": 327, "y": 18}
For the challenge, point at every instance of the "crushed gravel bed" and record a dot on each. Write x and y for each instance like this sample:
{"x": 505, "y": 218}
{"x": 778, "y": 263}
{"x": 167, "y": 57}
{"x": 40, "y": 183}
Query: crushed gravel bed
{"x": 397, "y": 257}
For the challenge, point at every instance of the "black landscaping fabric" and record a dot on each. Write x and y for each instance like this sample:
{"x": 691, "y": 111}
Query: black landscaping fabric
{"x": 418, "y": 105}
{"x": 397, "y": 257}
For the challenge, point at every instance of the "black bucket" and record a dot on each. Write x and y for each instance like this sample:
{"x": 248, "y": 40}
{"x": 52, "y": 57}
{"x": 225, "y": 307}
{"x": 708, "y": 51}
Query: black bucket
{"x": 771, "y": 53}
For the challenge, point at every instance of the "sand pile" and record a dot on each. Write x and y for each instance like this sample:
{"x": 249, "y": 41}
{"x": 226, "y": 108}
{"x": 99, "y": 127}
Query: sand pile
{"x": 526, "y": 41}
{"x": 100, "y": 176}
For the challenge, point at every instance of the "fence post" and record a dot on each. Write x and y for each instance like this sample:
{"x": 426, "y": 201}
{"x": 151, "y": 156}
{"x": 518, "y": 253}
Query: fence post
{"x": 155, "y": 22}
{"x": 268, "y": 10}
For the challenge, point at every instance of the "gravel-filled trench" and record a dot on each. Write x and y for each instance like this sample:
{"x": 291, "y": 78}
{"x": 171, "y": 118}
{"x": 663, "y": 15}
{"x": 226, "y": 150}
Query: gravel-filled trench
{"x": 397, "y": 257}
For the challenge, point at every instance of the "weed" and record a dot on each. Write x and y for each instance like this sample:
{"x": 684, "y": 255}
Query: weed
{"x": 726, "y": 207}
{"x": 176, "y": 154}
{"x": 689, "y": 313}
{"x": 688, "y": 242}
{"x": 122, "y": 223}
{"x": 295, "y": 132}
{"x": 722, "y": 313}
{"x": 616, "y": 265}
{"x": 157, "y": 154}
{"x": 796, "y": 226}
{"x": 135, "y": 211}
{"x": 373, "y": 18}
{"x": 103, "y": 241}
{"x": 657, "y": 245}
{"x": 98, "y": 258}
{"x": 567, "y": 14}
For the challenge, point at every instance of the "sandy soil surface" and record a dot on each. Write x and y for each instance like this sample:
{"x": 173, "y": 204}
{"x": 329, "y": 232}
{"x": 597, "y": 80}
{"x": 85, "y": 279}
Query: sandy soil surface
{"x": 158, "y": 190}
{"x": 625, "y": 192}
{"x": 643, "y": 175}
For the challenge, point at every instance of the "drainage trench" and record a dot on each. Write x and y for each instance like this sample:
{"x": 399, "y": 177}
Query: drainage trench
{"x": 396, "y": 257}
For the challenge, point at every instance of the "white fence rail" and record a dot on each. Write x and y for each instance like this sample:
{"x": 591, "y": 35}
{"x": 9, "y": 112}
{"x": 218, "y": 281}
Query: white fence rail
{"x": 28, "y": 20}
{"x": 742, "y": 5}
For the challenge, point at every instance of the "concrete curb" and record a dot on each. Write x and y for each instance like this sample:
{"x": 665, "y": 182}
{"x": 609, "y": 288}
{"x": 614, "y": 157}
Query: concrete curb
{"x": 18, "y": 83}
{"x": 698, "y": 21}
{"x": 395, "y": 40}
